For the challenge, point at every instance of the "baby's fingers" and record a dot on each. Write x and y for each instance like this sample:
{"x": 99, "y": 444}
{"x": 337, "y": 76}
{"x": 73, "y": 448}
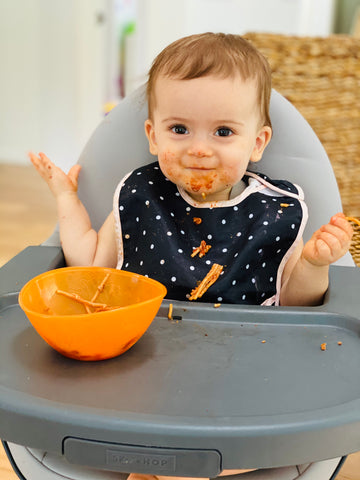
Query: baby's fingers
{"x": 74, "y": 174}
{"x": 322, "y": 250}
{"x": 340, "y": 221}
{"x": 331, "y": 243}
{"x": 36, "y": 161}
{"x": 336, "y": 235}
{"x": 54, "y": 176}
{"x": 42, "y": 163}
{"x": 329, "y": 240}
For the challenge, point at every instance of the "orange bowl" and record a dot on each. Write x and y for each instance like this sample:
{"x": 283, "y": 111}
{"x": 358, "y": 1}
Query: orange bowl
{"x": 66, "y": 324}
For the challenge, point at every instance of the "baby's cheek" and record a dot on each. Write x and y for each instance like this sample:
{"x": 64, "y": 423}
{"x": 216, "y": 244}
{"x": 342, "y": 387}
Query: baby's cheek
{"x": 224, "y": 180}
{"x": 167, "y": 157}
{"x": 234, "y": 173}
{"x": 228, "y": 178}
{"x": 168, "y": 163}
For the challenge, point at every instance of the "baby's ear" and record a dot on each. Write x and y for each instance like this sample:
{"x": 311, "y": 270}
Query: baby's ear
{"x": 262, "y": 140}
{"x": 150, "y": 133}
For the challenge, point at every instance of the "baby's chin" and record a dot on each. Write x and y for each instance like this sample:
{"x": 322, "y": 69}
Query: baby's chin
{"x": 210, "y": 196}
{"x": 202, "y": 188}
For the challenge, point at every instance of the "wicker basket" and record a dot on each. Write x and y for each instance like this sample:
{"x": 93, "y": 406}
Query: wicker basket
{"x": 321, "y": 78}
{"x": 355, "y": 245}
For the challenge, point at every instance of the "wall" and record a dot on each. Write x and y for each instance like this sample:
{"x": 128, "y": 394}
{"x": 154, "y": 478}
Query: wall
{"x": 19, "y": 82}
{"x": 52, "y": 85}
{"x": 161, "y": 21}
{"x": 57, "y": 59}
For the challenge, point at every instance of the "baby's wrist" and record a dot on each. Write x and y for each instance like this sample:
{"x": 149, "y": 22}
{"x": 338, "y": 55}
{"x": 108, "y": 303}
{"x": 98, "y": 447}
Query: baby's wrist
{"x": 66, "y": 196}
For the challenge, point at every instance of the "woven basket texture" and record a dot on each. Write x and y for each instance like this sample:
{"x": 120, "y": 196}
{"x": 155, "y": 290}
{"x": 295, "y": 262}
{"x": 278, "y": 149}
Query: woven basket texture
{"x": 355, "y": 245}
{"x": 321, "y": 78}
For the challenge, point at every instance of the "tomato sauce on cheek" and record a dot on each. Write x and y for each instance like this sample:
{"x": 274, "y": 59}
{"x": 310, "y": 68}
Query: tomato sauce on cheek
{"x": 168, "y": 159}
{"x": 168, "y": 162}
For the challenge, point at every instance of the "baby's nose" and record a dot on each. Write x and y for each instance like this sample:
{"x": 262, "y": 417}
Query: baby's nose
{"x": 200, "y": 150}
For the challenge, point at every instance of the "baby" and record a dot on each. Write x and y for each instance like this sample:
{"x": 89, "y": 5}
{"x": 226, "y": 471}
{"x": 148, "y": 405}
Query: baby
{"x": 208, "y": 99}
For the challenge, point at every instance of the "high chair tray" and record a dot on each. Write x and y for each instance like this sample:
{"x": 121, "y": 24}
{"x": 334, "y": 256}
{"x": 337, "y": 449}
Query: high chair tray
{"x": 227, "y": 387}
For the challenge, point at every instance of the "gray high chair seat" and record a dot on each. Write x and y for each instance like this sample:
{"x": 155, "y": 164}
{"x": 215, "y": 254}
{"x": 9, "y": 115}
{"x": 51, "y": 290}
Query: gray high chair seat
{"x": 117, "y": 146}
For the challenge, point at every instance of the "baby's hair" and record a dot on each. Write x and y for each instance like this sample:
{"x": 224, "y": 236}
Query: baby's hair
{"x": 219, "y": 54}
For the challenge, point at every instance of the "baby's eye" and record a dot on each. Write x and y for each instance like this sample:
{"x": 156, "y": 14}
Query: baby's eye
{"x": 224, "y": 132}
{"x": 179, "y": 129}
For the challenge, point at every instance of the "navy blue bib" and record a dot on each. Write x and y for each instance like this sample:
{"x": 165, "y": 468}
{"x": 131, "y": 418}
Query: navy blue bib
{"x": 251, "y": 235}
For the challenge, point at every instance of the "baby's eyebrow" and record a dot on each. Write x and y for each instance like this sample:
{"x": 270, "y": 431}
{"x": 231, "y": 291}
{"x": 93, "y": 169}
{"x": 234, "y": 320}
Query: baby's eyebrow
{"x": 230, "y": 122}
{"x": 216, "y": 122}
{"x": 173, "y": 120}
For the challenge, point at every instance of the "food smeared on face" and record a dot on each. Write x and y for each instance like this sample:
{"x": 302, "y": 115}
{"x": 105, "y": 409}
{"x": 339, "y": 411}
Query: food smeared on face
{"x": 205, "y": 131}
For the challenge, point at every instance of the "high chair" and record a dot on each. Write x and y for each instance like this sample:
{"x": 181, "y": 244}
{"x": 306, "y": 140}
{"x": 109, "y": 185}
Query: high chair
{"x": 181, "y": 405}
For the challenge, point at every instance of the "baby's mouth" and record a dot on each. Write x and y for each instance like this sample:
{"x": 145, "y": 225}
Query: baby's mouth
{"x": 201, "y": 169}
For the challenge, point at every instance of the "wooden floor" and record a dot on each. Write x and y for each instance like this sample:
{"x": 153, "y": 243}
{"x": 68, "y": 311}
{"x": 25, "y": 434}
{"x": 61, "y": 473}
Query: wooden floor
{"x": 27, "y": 217}
{"x": 27, "y": 210}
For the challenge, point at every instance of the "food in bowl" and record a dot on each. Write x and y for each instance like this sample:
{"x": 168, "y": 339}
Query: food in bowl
{"x": 91, "y": 313}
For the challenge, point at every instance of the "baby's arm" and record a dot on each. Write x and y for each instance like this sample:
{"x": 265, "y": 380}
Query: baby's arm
{"x": 81, "y": 244}
{"x": 306, "y": 274}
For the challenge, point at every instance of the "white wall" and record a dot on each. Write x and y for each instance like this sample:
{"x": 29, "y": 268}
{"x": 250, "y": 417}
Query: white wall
{"x": 162, "y": 21}
{"x": 48, "y": 99}
{"x": 57, "y": 58}
{"x": 19, "y": 86}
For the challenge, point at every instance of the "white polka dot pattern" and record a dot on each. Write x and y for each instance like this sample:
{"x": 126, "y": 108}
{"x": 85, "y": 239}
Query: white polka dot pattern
{"x": 249, "y": 239}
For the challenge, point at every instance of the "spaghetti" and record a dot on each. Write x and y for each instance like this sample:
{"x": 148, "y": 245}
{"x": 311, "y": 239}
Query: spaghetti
{"x": 206, "y": 283}
{"x": 354, "y": 220}
{"x": 98, "y": 307}
{"x": 83, "y": 301}
{"x": 201, "y": 250}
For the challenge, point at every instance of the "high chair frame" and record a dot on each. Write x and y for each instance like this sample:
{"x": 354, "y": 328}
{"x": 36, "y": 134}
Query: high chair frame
{"x": 53, "y": 434}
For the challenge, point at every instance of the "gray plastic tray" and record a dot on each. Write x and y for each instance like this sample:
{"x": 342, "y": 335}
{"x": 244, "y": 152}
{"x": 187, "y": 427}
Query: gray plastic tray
{"x": 233, "y": 387}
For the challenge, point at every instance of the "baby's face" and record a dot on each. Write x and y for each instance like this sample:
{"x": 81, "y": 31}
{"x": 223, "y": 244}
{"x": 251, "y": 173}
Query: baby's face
{"x": 205, "y": 131}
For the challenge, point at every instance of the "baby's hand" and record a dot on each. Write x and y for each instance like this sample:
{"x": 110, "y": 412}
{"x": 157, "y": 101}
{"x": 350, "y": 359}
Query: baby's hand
{"x": 330, "y": 242}
{"x": 56, "y": 179}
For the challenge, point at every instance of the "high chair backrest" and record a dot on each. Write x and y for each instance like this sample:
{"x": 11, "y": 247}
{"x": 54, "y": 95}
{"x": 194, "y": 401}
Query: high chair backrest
{"x": 119, "y": 145}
